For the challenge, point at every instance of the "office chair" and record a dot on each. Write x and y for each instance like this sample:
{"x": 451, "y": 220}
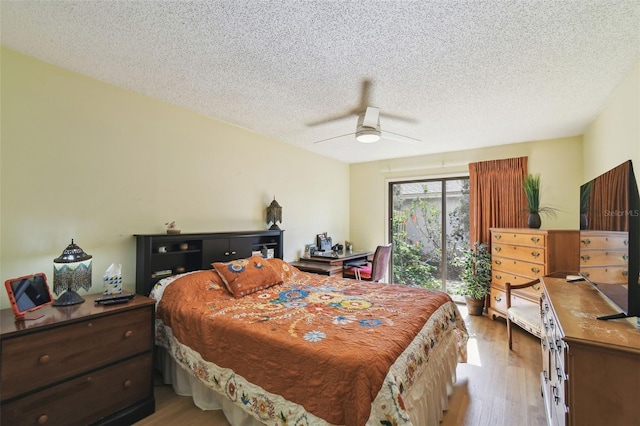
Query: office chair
{"x": 375, "y": 272}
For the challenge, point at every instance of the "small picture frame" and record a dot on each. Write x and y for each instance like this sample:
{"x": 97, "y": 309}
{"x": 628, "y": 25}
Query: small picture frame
{"x": 323, "y": 242}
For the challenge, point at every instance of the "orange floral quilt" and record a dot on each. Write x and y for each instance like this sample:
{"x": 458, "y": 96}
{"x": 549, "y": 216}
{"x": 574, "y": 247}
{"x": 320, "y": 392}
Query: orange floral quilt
{"x": 311, "y": 350}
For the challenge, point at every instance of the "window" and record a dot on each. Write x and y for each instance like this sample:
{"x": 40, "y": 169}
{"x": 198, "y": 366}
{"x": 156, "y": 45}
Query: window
{"x": 429, "y": 224}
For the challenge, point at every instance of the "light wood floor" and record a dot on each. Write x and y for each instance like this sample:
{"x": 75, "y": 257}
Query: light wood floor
{"x": 495, "y": 387}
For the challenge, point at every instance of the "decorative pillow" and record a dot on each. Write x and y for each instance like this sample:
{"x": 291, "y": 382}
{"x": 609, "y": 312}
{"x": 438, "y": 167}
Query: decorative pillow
{"x": 281, "y": 267}
{"x": 246, "y": 276}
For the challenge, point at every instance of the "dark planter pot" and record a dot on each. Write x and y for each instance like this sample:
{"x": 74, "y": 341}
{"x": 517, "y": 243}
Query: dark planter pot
{"x": 474, "y": 306}
{"x": 533, "y": 221}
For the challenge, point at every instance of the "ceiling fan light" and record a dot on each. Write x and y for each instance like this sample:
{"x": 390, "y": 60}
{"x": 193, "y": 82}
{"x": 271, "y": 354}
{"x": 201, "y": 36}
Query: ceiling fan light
{"x": 368, "y": 136}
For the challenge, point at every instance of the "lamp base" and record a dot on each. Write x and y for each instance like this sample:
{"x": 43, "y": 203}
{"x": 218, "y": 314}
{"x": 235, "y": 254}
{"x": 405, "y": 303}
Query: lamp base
{"x": 68, "y": 298}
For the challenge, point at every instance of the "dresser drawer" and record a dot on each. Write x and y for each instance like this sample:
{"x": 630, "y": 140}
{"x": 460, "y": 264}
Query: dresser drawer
{"x": 86, "y": 399}
{"x": 529, "y": 254}
{"x": 518, "y": 267}
{"x": 603, "y": 258}
{"x": 521, "y": 238}
{"x": 30, "y": 362}
{"x": 609, "y": 274}
{"x": 603, "y": 242}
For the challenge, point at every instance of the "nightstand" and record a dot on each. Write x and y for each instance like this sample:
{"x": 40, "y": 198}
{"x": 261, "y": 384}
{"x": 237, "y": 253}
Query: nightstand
{"x": 81, "y": 364}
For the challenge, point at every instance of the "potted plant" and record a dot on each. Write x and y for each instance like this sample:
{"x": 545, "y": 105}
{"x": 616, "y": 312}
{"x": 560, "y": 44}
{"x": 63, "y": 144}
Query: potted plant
{"x": 585, "y": 193}
{"x": 531, "y": 185}
{"x": 476, "y": 276}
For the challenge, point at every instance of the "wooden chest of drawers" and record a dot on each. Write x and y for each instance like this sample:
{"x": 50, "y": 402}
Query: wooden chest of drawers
{"x": 78, "y": 365}
{"x": 591, "y": 368}
{"x": 603, "y": 256}
{"x": 519, "y": 255}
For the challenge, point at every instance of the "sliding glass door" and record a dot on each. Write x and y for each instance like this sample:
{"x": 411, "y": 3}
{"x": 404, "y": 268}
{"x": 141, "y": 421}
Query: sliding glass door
{"x": 429, "y": 224}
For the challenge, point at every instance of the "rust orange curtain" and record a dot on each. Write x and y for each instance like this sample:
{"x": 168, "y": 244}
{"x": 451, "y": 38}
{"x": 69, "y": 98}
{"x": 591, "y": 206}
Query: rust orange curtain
{"x": 496, "y": 196}
{"x": 608, "y": 201}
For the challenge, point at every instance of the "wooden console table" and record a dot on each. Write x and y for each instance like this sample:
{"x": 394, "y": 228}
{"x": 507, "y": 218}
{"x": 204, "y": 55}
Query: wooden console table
{"x": 331, "y": 266}
{"x": 591, "y": 368}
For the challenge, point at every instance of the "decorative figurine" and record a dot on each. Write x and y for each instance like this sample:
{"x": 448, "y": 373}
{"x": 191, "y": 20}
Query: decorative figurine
{"x": 172, "y": 228}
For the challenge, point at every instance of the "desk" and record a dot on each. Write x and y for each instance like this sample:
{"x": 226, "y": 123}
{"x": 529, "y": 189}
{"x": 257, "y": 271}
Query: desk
{"x": 331, "y": 266}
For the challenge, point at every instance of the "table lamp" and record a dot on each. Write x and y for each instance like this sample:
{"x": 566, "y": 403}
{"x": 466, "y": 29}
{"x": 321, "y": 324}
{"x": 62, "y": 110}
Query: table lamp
{"x": 71, "y": 271}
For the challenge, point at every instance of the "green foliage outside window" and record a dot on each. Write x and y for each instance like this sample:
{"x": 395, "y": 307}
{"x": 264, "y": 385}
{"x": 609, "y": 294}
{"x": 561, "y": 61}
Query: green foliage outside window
{"x": 418, "y": 261}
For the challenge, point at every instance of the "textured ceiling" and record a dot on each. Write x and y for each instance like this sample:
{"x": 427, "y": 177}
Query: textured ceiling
{"x": 468, "y": 74}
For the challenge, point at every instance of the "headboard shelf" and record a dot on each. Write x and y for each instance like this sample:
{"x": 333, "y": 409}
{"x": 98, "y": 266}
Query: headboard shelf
{"x": 179, "y": 253}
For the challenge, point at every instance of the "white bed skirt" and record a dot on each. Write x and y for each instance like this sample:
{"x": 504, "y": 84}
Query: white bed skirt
{"x": 425, "y": 400}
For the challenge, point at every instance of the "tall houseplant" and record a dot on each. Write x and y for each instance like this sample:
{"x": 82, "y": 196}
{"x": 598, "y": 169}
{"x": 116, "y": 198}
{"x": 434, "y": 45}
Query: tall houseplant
{"x": 585, "y": 193}
{"x": 476, "y": 276}
{"x": 531, "y": 184}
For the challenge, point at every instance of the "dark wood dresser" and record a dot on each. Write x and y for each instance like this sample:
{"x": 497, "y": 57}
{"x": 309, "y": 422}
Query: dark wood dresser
{"x": 78, "y": 365}
{"x": 591, "y": 368}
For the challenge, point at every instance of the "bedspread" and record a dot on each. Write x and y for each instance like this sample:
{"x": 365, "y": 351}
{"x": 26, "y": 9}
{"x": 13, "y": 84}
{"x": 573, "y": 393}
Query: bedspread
{"x": 322, "y": 343}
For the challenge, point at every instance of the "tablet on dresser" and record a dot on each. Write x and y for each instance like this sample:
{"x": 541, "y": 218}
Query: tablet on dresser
{"x": 28, "y": 293}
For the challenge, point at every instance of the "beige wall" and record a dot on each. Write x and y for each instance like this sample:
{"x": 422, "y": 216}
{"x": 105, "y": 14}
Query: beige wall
{"x": 558, "y": 161}
{"x": 86, "y": 160}
{"x": 564, "y": 164}
{"x": 137, "y": 163}
{"x": 614, "y": 137}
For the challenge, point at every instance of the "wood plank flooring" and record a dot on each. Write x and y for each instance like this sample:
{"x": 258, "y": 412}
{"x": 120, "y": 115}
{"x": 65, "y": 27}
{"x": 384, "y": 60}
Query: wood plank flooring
{"x": 495, "y": 387}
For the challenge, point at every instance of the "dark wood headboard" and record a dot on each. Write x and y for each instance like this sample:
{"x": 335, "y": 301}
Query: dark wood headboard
{"x": 162, "y": 255}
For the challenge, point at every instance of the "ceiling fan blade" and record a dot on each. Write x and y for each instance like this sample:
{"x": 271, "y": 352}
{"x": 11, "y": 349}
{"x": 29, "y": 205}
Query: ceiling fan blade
{"x": 337, "y": 117}
{"x": 398, "y": 138}
{"x": 334, "y": 137}
{"x": 371, "y": 117}
{"x": 365, "y": 95}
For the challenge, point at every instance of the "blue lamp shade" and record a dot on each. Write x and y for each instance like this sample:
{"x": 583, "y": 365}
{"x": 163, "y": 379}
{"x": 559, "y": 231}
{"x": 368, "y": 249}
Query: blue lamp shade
{"x": 71, "y": 271}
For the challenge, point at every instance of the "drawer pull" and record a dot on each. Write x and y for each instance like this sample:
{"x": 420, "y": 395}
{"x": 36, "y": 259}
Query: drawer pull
{"x": 585, "y": 257}
{"x": 498, "y": 299}
{"x": 535, "y": 254}
{"x": 536, "y": 287}
{"x": 626, "y": 242}
{"x": 625, "y": 257}
{"x": 498, "y": 249}
{"x": 233, "y": 252}
{"x": 44, "y": 359}
{"x": 127, "y": 384}
{"x": 585, "y": 274}
{"x": 89, "y": 324}
{"x": 624, "y": 274}
{"x": 128, "y": 334}
{"x": 43, "y": 419}
{"x": 498, "y": 236}
{"x": 498, "y": 277}
{"x": 586, "y": 241}
{"x": 498, "y": 262}
{"x": 535, "y": 240}
{"x": 535, "y": 270}
{"x": 226, "y": 253}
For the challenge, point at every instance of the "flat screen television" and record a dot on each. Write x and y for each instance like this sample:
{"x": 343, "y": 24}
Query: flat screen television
{"x": 610, "y": 238}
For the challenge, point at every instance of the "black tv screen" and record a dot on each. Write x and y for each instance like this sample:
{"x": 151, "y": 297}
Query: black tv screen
{"x": 610, "y": 238}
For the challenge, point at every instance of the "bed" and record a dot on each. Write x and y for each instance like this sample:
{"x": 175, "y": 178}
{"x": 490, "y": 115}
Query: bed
{"x": 269, "y": 344}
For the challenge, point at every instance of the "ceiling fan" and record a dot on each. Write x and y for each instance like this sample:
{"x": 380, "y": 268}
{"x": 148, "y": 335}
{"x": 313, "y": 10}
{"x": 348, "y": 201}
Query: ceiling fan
{"x": 368, "y": 125}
